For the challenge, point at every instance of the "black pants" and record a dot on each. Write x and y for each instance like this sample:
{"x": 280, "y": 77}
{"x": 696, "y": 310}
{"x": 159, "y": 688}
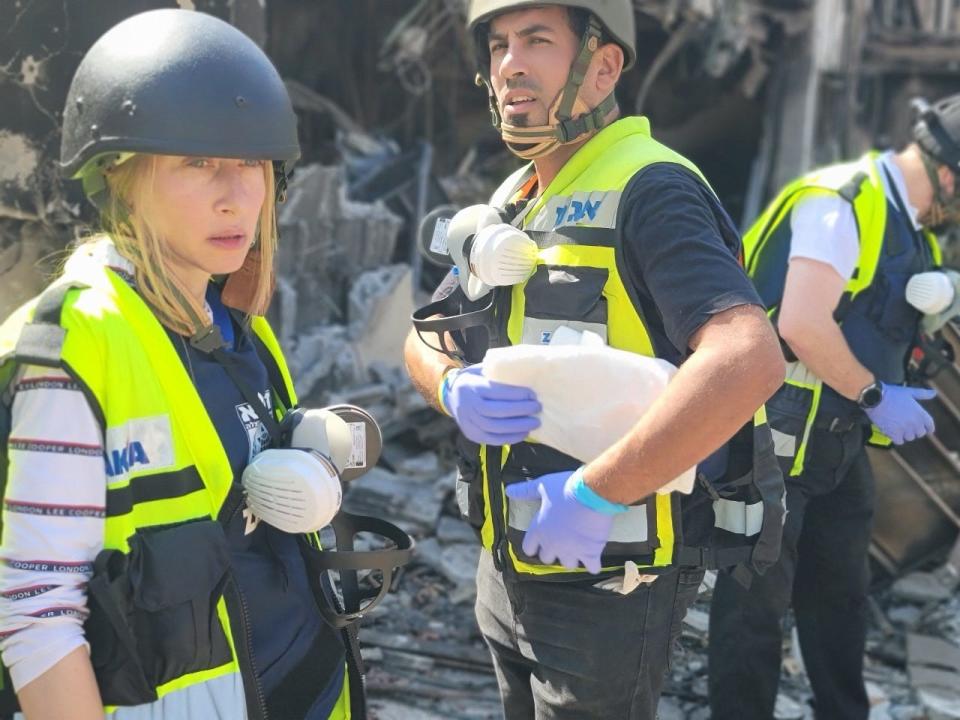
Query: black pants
{"x": 823, "y": 569}
{"x": 569, "y": 651}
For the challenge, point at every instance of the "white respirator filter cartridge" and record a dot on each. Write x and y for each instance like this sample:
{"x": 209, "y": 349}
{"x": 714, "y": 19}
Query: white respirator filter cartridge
{"x": 296, "y": 491}
{"x": 502, "y": 255}
{"x": 366, "y": 438}
{"x": 327, "y": 433}
{"x": 461, "y": 232}
{"x": 930, "y": 292}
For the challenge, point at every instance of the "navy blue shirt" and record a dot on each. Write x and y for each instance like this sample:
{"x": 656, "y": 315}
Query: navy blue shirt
{"x": 880, "y": 326}
{"x": 266, "y": 562}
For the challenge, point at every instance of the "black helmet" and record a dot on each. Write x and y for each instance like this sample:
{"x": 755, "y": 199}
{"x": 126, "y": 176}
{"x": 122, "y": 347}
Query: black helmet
{"x": 937, "y": 130}
{"x": 175, "y": 82}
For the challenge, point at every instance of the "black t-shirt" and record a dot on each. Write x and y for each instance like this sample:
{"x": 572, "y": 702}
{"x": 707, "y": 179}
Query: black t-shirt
{"x": 680, "y": 254}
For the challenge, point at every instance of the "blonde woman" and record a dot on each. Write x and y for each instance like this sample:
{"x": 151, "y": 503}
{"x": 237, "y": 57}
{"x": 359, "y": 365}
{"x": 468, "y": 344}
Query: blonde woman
{"x": 133, "y": 581}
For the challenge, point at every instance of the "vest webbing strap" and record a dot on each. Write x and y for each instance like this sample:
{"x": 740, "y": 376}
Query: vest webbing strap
{"x": 735, "y": 560}
{"x": 228, "y": 363}
{"x": 710, "y": 557}
{"x": 849, "y": 192}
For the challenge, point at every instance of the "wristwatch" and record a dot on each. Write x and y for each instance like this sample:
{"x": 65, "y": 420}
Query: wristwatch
{"x": 871, "y": 396}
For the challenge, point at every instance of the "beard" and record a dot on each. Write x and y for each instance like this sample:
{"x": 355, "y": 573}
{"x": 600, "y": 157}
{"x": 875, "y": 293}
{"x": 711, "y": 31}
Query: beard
{"x": 532, "y": 117}
{"x": 520, "y": 120}
{"x": 941, "y": 216}
{"x": 528, "y": 118}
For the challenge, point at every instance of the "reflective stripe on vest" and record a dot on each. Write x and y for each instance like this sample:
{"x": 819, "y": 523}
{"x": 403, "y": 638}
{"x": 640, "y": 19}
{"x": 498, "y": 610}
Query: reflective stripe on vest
{"x": 799, "y": 376}
{"x": 220, "y": 696}
{"x": 628, "y": 527}
{"x": 738, "y": 517}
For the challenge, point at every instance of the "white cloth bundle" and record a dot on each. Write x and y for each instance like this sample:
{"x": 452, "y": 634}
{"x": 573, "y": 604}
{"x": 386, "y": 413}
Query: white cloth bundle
{"x": 592, "y": 394}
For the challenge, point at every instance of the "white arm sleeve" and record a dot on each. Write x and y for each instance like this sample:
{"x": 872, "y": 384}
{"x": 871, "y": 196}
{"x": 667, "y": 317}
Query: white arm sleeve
{"x": 54, "y": 507}
{"x": 825, "y": 229}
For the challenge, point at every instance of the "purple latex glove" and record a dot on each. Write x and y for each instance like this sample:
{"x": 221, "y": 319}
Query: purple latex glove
{"x": 564, "y": 528}
{"x": 899, "y": 416}
{"x": 489, "y": 412}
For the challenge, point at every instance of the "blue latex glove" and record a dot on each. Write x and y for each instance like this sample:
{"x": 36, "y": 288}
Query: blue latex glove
{"x": 564, "y": 527}
{"x": 899, "y": 416}
{"x": 489, "y": 412}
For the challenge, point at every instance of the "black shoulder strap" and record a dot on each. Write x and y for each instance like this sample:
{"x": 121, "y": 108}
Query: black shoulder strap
{"x": 266, "y": 357}
{"x": 210, "y": 341}
{"x": 249, "y": 394}
{"x": 41, "y": 339}
{"x": 849, "y": 192}
{"x": 273, "y": 370}
{"x": 851, "y": 189}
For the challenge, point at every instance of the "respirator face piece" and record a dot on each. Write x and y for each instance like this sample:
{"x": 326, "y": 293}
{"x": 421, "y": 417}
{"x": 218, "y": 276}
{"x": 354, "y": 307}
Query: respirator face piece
{"x": 486, "y": 253}
{"x": 930, "y": 292}
{"x": 935, "y": 294}
{"x": 347, "y": 434}
{"x": 299, "y": 489}
{"x": 296, "y": 491}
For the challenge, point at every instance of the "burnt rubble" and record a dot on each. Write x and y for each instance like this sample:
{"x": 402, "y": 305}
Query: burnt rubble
{"x": 391, "y": 126}
{"x": 427, "y": 660}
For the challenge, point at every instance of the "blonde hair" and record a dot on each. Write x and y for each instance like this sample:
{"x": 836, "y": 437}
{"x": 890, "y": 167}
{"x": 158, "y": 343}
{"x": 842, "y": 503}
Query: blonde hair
{"x": 134, "y": 236}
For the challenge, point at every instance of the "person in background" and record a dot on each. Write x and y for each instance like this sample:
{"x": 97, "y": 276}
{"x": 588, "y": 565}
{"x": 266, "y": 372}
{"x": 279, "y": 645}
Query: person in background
{"x": 836, "y": 257}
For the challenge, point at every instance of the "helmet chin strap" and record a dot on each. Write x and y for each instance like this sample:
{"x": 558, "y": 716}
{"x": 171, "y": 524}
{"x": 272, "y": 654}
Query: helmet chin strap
{"x": 569, "y": 118}
{"x": 530, "y": 143}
